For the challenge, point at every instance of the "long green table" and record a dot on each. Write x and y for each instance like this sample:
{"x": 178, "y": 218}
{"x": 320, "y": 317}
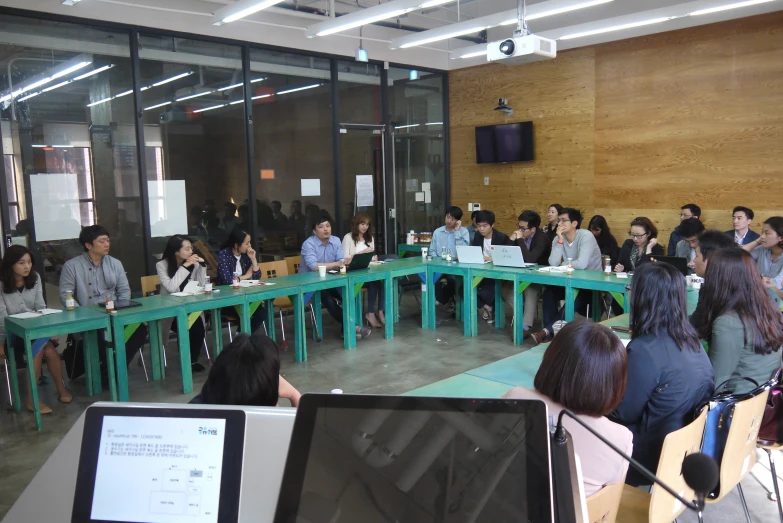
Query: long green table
{"x": 81, "y": 319}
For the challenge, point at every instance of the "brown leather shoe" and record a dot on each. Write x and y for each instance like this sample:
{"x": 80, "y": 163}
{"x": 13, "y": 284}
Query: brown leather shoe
{"x": 540, "y": 336}
{"x": 525, "y": 333}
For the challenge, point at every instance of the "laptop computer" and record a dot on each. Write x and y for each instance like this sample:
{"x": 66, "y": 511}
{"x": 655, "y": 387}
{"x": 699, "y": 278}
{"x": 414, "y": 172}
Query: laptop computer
{"x": 375, "y": 459}
{"x": 681, "y": 264}
{"x": 508, "y": 256}
{"x": 471, "y": 255}
{"x": 358, "y": 262}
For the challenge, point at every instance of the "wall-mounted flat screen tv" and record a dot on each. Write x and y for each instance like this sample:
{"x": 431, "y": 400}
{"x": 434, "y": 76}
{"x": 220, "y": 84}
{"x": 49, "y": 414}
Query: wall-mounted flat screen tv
{"x": 511, "y": 142}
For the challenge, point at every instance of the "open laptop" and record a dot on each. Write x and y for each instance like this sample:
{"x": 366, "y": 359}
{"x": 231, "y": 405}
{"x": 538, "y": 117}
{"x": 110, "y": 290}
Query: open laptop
{"x": 376, "y": 459}
{"x": 681, "y": 264}
{"x": 471, "y": 255}
{"x": 508, "y": 256}
{"x": 358, "y": 262}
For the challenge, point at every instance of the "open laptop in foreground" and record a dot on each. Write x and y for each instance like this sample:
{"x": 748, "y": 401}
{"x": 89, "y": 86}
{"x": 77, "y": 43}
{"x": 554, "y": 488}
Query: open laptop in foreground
{"x": 378, "y": 459}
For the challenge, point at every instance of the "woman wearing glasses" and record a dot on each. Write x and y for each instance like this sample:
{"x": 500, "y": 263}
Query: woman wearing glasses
{"x": 642, "y": 245}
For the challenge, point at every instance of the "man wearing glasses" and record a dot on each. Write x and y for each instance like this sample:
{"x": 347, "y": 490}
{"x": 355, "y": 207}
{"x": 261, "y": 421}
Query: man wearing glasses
{"x": 581, "y": 248}
{"x": 687, "y": 212}
{"x": 535, "y": 247}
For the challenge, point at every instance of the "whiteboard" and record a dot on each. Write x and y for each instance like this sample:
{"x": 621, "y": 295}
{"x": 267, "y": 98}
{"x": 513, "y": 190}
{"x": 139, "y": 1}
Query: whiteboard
{"x": 56, "y": 209}
{"x": 168, "y": 208}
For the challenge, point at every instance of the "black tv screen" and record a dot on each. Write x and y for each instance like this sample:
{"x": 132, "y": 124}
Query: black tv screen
{"x": 512, "y": 142}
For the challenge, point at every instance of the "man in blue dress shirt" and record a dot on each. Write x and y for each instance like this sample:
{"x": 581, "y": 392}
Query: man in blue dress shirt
{"x": 323, "y": 249}
{"x": 451, "y": 235}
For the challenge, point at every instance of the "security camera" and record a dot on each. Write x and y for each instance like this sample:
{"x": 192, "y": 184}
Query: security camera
{"x": 503, "y": 106}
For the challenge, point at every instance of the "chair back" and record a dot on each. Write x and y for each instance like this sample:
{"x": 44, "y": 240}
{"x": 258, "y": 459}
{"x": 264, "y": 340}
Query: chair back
{"x": 273, "y": 269}
{"x": 678, "y": 444}
{"x": 150, "y": 285}
{"x": 293, "y": 264}
{"x": 739, "y": 454}
{"x": 602, "y": 506}
{"x": 208, "y": 254}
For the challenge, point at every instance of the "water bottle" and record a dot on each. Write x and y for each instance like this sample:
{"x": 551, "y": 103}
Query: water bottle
{"x": 607, "y": 266}
{"x": 70, "y": 303}
{"x": 570, "y": 266}
{"x": 443, "y": 251}
{"x": 207, "y": 285}
{"x": 110, "y": 304}
{"x": 237, "y": 278}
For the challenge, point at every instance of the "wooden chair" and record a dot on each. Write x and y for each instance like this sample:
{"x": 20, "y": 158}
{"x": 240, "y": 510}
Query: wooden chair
{"x": 603, "y": 505}
{"x": 659, "y": 506}
{"x": 769, "y": 447}
{"x": 209, "y": 257}
{"x": 739, "y": 454}
{"x": 150, "y": 285}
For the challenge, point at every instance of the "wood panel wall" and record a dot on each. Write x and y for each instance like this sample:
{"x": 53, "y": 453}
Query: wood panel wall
{"x": 637, "y": 127}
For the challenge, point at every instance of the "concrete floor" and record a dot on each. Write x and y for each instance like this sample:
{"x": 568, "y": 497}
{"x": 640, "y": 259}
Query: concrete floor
{"x": 414, "y": 358}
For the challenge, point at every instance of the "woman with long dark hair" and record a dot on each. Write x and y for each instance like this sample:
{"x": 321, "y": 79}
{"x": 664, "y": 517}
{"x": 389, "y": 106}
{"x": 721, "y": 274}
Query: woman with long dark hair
{"x": 741, "y": 323}
{"x": 22, "y": 291}
{"x": 551, "y": 215}
{"x": 360, "y": 241}
{"x": 669, "y": 374}
{"x": 237, "y": 257}
{"x": 603, "y": 235}
{"x": 642, "y": 245}
{"x": 585, "y": 371}
{"x": 179, "y": 266}
{"x": 767, "y": 250}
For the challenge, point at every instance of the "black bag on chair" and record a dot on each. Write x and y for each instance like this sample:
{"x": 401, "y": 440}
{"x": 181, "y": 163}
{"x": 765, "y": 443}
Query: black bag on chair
{"x": 73, "y": 355}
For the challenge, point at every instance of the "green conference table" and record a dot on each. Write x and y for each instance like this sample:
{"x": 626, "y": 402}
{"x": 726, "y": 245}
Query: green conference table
{"x": 81, "y": 319}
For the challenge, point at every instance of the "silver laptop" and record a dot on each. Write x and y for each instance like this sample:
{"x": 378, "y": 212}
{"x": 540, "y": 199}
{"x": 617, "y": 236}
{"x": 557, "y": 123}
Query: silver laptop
{"x": 471, "y": 255}
{"x": 507, "y": 256}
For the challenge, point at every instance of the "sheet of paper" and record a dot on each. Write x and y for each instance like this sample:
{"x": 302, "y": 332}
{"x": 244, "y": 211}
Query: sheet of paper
{"x": 364, "y": 192}
{"x": 425, "y": 186}
{"x": 181, "y": 294}
{"x": 311, "y": 187}
{"x": 168, "y": 207}
{"x": 56, "y": 206}
{"x": 49, "y": 311}
{"x": 26, "y": 315}
{"x": 192, "y": 287}
{"x": 419, "y": 196}
{"x": 427, "y": 197}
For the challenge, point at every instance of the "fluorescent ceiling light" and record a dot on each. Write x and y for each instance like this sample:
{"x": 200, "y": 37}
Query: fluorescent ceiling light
{"x": 298, "y": 89}
{"x": 236, "y": 102}
{"x": 43, "y": 146}
{"x": 434, "y": 123}
{"x": 727, "y": 7}
{"x": 104, "y": 100}
{"x": 94, "y": 71}
{"x": 70, "y": 3}
{"x": 193, "y": 96}
{"x": 28, "y": 96}
{"x": 557, "y": 11}
{"x": 475, "y": 54}
{"x": 70, "y": 70}
{"x": 535, "y": 11}
{"x": 229, "y": 87}
{"x": 55, "y": 86}
{"x": 261, "y": 96}
{"x": 391, "y": 9}
{"x": 183, "y": 75}
{"x": 45, "y": 80}
{"x": 156, "y": 106}
{"x": 209, "y": 108}
{"x": 617, "y": 28}
{"x": 125, "y": 93}
{"x": 407, "y": 126}
{"x": 257, "y": 80}
{"x": 241, "y": 9}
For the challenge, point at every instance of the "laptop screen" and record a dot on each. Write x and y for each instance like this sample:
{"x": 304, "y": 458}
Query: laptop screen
{"x": 383, "y": 459}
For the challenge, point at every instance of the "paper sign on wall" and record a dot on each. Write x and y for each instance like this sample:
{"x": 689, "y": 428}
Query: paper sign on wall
{"x": 168, "y": 207}
{"x": 56, "y": 206}
{"x": 427, "y": 197}
{"x": 311, "y": 187}
{"x": 364, "y": 195}
{"x": 425, "y": 186}
{"x": 419, "y": 196}
{"x": 411, "y": 185}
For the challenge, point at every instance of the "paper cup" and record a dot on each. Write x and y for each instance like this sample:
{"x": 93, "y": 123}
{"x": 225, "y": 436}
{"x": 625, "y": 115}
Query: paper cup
{"x": 424, "y": 251}
{"x": 322, "y": 271}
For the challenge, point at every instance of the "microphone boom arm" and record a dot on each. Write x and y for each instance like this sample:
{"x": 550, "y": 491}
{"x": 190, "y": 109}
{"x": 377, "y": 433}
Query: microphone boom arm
{"x": 560, "y": 436}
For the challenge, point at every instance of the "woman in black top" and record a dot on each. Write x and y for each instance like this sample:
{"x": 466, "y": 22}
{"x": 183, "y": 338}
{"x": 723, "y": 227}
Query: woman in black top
{"x": 641, "y": 247}
{"x": 551, "y": 215}
{"x": 603, "y": 235}
{"x": 669, "y": 374}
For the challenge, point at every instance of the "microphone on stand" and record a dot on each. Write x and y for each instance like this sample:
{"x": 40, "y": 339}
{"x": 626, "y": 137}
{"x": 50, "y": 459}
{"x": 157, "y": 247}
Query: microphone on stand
{"x": 699, "y": 471}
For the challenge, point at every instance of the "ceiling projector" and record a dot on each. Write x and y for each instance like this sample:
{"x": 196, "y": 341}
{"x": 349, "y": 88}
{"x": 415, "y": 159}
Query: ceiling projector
{"x": 521, "y": 50}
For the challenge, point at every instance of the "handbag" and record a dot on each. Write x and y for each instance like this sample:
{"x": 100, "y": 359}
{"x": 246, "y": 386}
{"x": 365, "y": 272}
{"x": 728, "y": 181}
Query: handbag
{"x": 719, "y": 416}
{"x": 771, "y": 430}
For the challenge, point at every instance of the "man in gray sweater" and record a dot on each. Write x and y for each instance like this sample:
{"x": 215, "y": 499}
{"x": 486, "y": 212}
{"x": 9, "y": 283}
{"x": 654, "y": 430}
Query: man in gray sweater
{"x": 580, "y": 247}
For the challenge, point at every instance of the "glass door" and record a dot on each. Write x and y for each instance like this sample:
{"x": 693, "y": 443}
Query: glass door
{"x": 362, "y": 178}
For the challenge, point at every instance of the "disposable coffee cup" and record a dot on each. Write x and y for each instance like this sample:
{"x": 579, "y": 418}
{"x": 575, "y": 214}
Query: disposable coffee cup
{"x": 424, "y": 251}
{"x": 696, "y": 285}
{"x": 322, "y": 271}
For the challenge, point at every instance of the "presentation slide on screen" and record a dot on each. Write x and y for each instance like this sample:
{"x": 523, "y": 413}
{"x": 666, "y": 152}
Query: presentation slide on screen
{"x": 160, "y": 470}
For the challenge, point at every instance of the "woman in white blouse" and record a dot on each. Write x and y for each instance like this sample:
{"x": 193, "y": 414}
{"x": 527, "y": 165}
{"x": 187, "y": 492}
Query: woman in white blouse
{"x": 360, "y": 241}
{"x": 22, "y": 292}
{"x": 179, "y": 266}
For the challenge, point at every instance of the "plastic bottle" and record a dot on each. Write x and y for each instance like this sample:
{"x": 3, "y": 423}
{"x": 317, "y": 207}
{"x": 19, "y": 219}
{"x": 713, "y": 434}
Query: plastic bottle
{"x": 208, "y": 285}
{"x": 570, "y": 266}
{"x": 235, "y": 282}
{"x": 607, "y": 266}
{"x": 110, "y": 305}
{"x": 70, "y": 303}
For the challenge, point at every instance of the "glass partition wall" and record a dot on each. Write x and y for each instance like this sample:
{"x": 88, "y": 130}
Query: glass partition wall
{"x": 233, "y": 135}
